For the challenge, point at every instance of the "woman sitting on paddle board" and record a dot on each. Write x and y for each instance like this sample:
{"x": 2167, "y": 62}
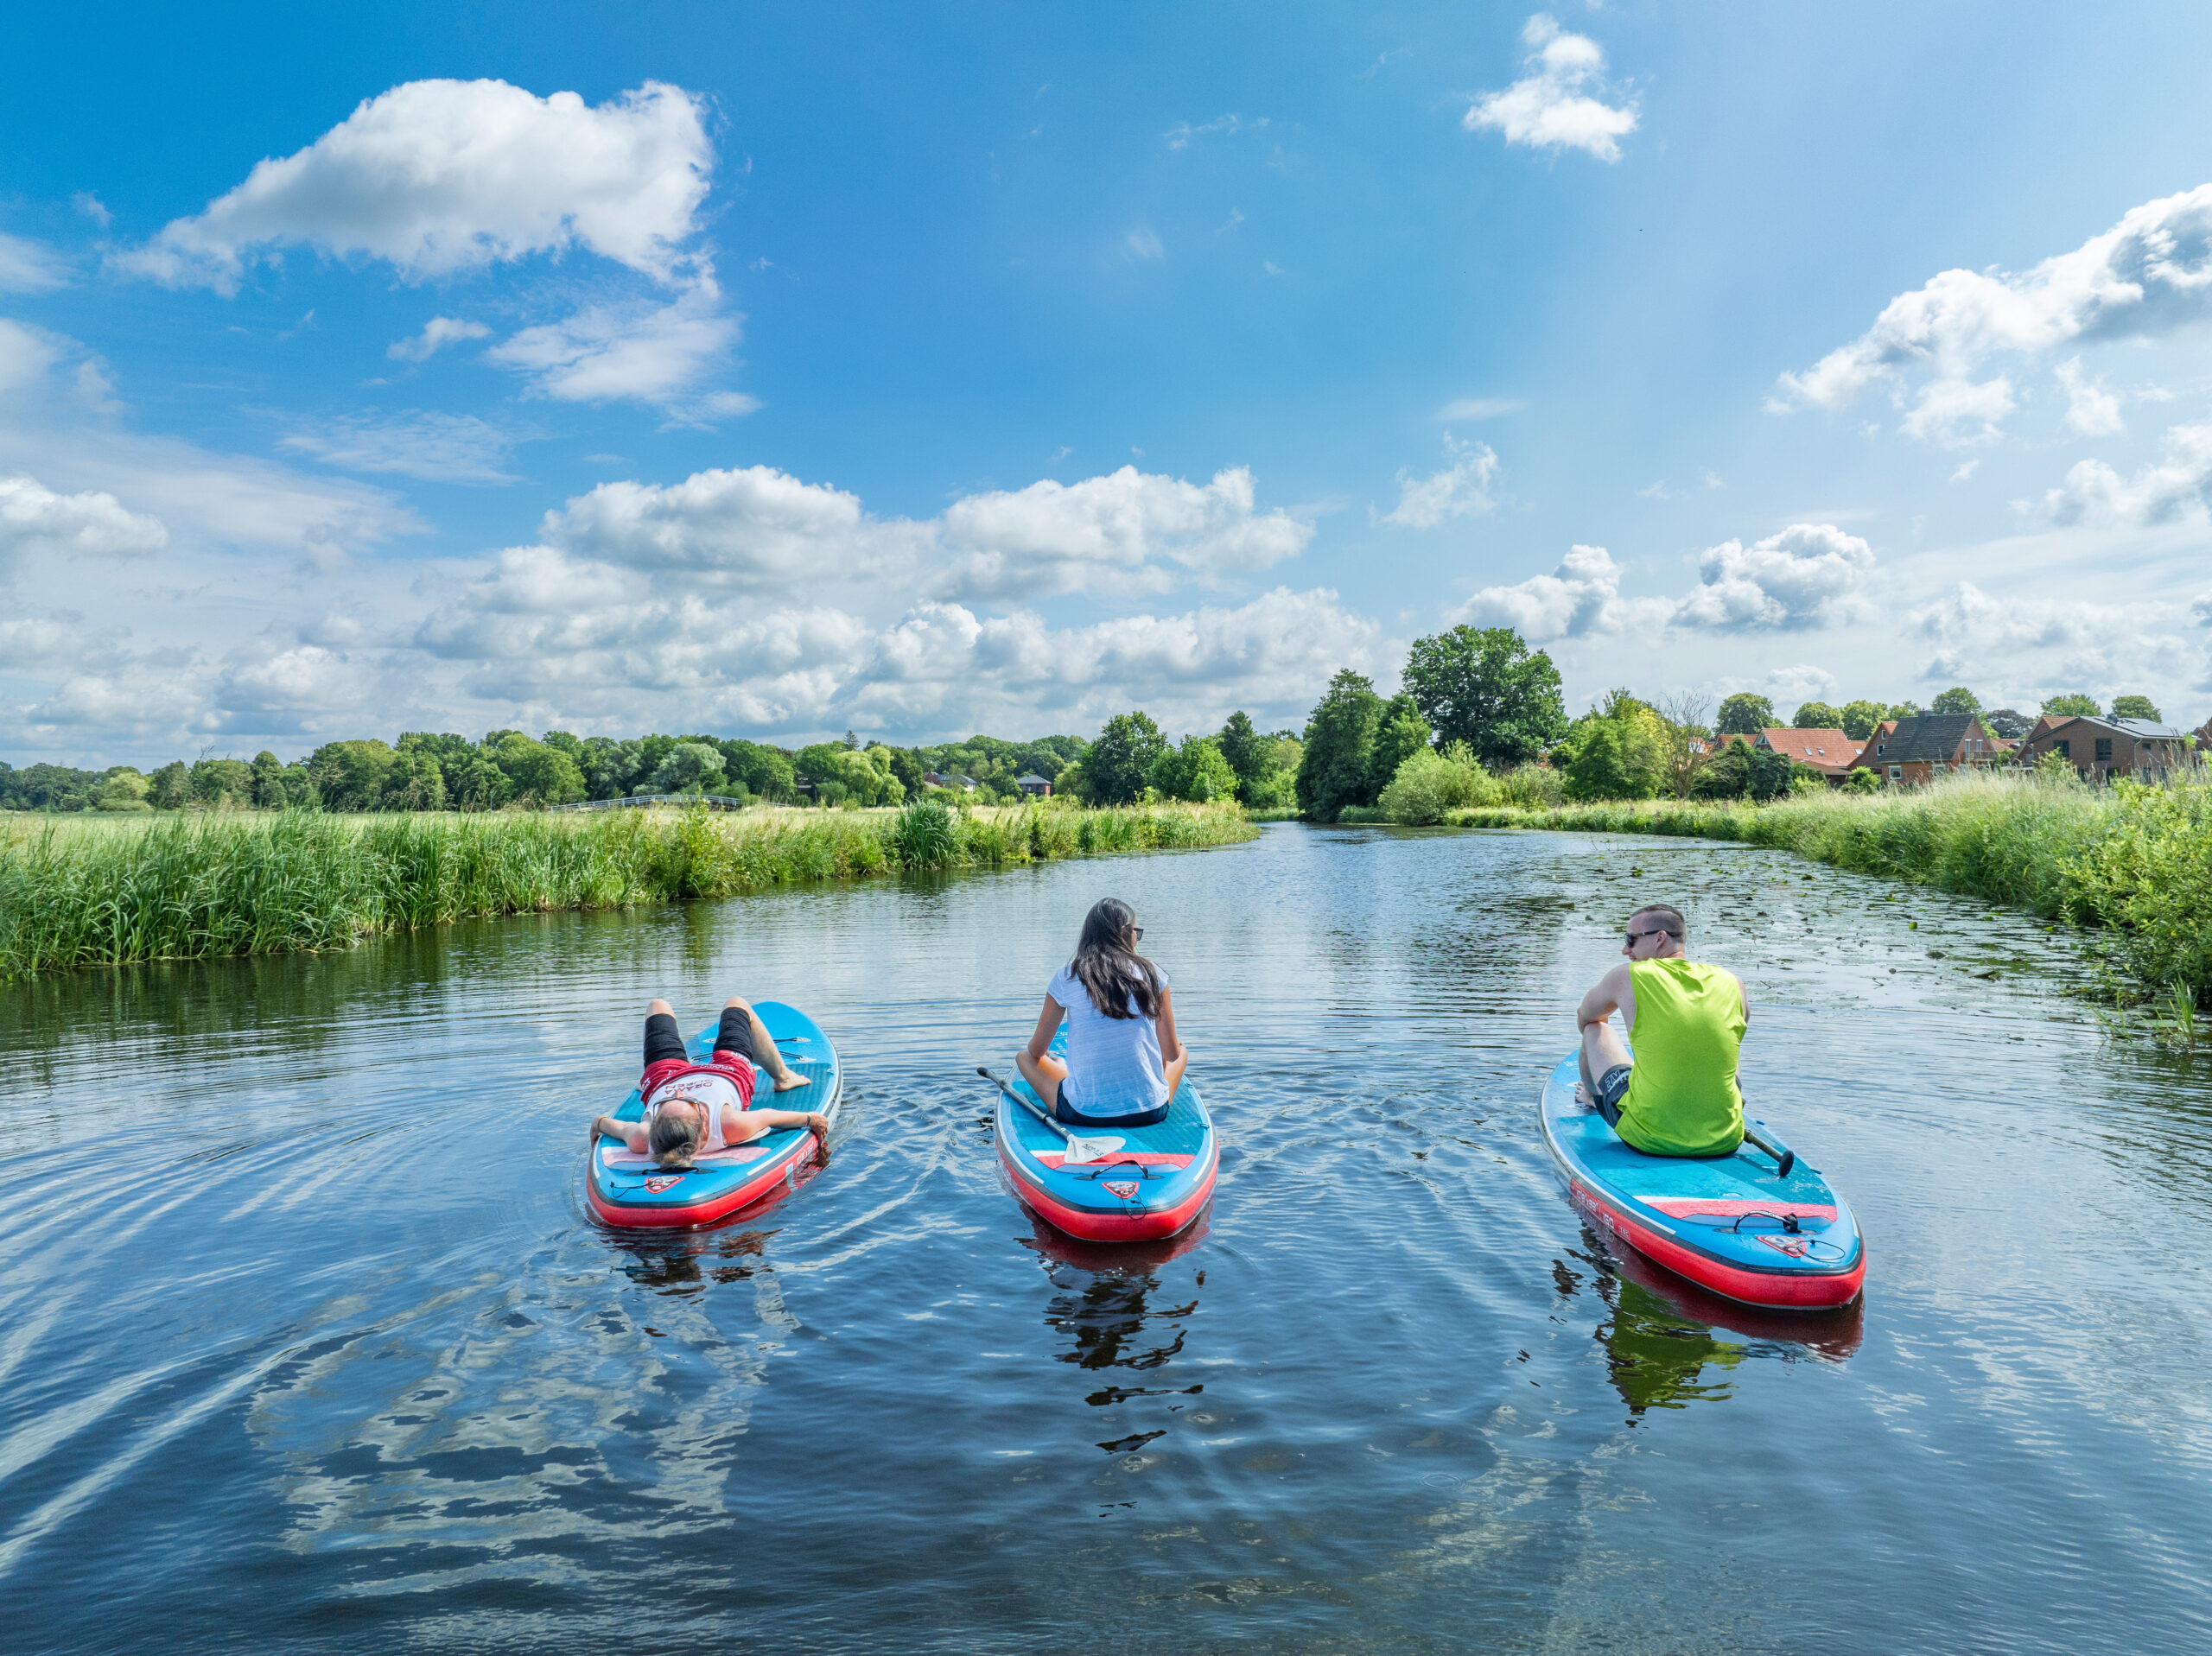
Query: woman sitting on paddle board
{"x": 1123, "y": 1061}
{"x": 692, "y": 1108}
{"x": 1677, "y": 1097}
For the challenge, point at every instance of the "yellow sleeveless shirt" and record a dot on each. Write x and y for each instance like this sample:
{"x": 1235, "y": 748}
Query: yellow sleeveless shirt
{"x": 1682, "y": 1098}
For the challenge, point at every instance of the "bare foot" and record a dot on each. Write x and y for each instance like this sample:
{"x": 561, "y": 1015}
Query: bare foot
{"x": 789, "y": 1079}
{"x": 1581, "y": 1097}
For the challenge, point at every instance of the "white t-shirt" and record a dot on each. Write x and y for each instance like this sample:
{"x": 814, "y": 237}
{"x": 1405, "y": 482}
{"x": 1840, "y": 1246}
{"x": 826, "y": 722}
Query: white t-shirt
{"x": 710, "y": 1091}
{"x": 1114, "y": 1063}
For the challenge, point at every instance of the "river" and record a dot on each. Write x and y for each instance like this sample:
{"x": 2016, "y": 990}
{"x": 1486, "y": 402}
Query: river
{"x": 307, "y": 1343}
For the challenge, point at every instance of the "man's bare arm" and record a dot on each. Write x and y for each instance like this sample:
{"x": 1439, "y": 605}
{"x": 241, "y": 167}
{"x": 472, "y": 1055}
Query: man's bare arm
{"x": 1605, "y": 998}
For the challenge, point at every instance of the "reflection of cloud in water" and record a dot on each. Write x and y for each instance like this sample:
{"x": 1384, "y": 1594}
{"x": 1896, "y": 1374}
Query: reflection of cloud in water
{"x": 468, "y": 1459}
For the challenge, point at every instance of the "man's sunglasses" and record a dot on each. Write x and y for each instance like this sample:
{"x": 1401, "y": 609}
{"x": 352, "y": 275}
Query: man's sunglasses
{"x": 1655, "y": 931}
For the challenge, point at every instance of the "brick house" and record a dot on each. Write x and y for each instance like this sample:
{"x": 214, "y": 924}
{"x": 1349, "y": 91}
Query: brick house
{"x": 1034, "y": 785}
{"x": 1829, "y": 751}
{"x": 2103, "y": 750}
{"x": 1913, "y": 752}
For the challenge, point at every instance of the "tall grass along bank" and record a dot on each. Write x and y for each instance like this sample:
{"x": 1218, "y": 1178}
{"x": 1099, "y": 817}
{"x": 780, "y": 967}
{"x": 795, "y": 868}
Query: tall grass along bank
{"x": 2137, "y": 861}
{"x": 77, "y": 891}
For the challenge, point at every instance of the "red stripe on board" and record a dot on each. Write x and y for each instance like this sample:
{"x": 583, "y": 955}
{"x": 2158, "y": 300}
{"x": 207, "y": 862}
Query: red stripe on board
{"x": 1126, "y": 1158}
{"x": 1683, "y": 1207}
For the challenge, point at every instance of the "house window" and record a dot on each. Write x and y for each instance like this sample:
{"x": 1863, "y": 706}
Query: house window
{"x": 1880, "y": 749}
{"x": 1897, "y": 773}
{"x": 2065, "y": 749}
{"x": 2104, "y": 750}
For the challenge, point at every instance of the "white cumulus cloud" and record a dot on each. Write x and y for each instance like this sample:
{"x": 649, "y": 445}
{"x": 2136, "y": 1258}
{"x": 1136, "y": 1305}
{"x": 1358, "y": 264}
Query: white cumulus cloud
{"x": 2148, "y": 276}
{"x": 2181, "y": 482}
{"x": 1580, "y": 597}
{"x": 438, "y": 333}
{"x": 2054, "y": 644}
{"x": 2091, "y": 411}
{"x": 1551, "y": 107}
{"x": 442, "y": 177}
{"x": 1460, "y": 490}
{"x": 1128, "y": 531}
{"x": 1803, "y": 577}
{"x": 755, "y": 526}
{"x": 34, "y": 519}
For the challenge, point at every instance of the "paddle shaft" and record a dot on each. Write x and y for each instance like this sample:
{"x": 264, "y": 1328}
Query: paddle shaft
{"x": 1784, "y": 1158}
{"x": 1066, "y": 1135}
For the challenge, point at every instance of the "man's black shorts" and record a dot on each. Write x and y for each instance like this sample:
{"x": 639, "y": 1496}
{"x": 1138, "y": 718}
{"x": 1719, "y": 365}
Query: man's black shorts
{"x": 664, "y": 1041}
{"x": 1612, "y": 1087}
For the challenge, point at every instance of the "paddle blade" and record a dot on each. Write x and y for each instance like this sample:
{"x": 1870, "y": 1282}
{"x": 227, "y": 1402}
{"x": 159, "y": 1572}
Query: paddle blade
{"x": 1080, "y": 1151}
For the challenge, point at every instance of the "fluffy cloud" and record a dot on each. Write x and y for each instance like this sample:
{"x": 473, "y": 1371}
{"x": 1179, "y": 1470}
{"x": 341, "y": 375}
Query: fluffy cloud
{"x": 34, "y": 519}
{"x": 29, "y": 267}
{"x": 1960, "y": 412}
{"x": 1803, "y": 577}
{"x": 292, "y": 690}
{"x": 2091, "y": 411}
{"x": 1548, "y": 108}
{"x": 437, "y": 448}
{"x": 2180, "y": 483}
{"x": 437, "y": 333}
{"x": 1460, "y": 490}
{"x": 759, "y": 528}
{"x": 26, "y": 354}
{"x": 442, "y": 177}
{"x": 1126, "y": 532}
{"x": 2148, "y": 274}
{"x": 2052, "y": 644}
{"x": 633, "y": 352}
{"x": 1581, "y": 597}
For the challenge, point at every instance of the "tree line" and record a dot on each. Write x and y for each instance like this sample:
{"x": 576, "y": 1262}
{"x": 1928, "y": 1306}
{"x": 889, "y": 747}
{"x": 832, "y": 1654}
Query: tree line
{"x": 428, "y": 771}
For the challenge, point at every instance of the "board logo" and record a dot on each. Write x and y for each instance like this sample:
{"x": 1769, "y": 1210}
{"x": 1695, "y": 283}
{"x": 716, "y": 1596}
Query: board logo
{"x": 661, "y": 1181}
{"x": 1125, "y": 1188}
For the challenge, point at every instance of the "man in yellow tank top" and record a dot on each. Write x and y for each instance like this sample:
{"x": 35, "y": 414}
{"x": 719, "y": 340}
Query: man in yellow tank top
{"x": 1677, "y": 1097}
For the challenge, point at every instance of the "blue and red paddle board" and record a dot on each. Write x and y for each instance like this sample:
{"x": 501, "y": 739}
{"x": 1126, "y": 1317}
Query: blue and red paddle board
{"x": 1731, "y": 1224}
{"x": 1154, "y": 1184}
{"x": 626, "y": 1189}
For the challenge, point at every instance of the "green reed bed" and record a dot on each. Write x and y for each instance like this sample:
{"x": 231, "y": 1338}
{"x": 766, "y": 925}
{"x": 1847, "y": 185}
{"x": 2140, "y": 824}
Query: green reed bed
{"x": 88, "y": 891}
{"x": 2135, "y": 860}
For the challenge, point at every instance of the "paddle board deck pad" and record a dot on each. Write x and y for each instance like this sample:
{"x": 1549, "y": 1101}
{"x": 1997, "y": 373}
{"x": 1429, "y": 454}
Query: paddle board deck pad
{"x": 1154, "y": 1184}
{"x": 627, "y": 1189}
{"x": 1728, "y": 1223}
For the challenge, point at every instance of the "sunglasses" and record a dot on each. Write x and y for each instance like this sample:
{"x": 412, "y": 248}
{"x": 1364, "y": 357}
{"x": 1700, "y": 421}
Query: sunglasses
{"x": 1656, "y": 931}
{"x": 1136, "y": 934}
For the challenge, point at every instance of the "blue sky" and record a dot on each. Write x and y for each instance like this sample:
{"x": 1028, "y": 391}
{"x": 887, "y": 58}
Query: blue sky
{"x": 775, "y": 371}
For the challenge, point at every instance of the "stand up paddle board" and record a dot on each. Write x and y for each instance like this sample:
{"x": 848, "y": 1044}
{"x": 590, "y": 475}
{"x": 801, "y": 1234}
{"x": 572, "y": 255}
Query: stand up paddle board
{"x": 1153, "y": 1184}
{"x": 1729, "y": 1223}
{"x": 627, "y": 1189}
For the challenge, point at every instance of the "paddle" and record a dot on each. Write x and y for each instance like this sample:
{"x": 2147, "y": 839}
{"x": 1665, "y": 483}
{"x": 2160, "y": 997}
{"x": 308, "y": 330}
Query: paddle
{"x": 1784, "y": 1158}
{"x": 1080, "y": 1151}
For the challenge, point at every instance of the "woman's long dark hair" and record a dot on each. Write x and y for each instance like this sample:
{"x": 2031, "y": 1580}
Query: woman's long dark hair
{"x": 1110, "y": 971}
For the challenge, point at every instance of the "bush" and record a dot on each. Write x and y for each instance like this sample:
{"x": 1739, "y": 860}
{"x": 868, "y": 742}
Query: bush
{"x": 1430, "y": 784}
{"x": 1533, "y": 787}
{"x": 924, "y": 836}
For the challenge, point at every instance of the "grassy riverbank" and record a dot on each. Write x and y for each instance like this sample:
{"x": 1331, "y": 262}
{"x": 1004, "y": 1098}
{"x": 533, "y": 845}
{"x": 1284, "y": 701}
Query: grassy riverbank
{"x": 99, "y": 891}
{"x": 2137, "y": 861}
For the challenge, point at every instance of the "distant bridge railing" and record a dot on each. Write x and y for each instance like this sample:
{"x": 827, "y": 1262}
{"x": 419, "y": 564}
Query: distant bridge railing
{"x": 712, "y": 802}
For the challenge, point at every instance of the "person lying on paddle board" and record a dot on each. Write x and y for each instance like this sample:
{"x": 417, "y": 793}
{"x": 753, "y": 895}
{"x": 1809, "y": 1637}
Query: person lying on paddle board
{"x": 1678, "y": 1095}
{"x": 692, "y": 1108}
{"x": 1124, "y": 1061}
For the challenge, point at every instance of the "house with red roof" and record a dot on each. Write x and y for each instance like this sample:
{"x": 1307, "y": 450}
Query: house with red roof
{"x": 1829, "y": 751}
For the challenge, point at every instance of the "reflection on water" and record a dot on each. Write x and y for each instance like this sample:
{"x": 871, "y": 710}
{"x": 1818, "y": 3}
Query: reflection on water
{"x": 313, "y": 1360}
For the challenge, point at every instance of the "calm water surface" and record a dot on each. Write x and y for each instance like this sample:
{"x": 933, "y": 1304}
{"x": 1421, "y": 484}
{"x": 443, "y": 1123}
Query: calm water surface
{"x": 306, "y": 1342}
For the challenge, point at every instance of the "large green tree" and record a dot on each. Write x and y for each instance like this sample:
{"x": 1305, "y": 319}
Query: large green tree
{"x": 2075, "y": 706}
{"x": 1486, "y": 687}
{"x": 1817, "y": 715}
{"x": 1197, "y": 770}
{"x": 1745, "y": 715}
{"x": 1118, "y": 767}
{"x": 1399, "y": 732}
{"x": 1859, "y": 720}
{"x": 1956, "y": 700}
{"x": 1336, "y": 768}
{"x": 2135, "y": 706}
